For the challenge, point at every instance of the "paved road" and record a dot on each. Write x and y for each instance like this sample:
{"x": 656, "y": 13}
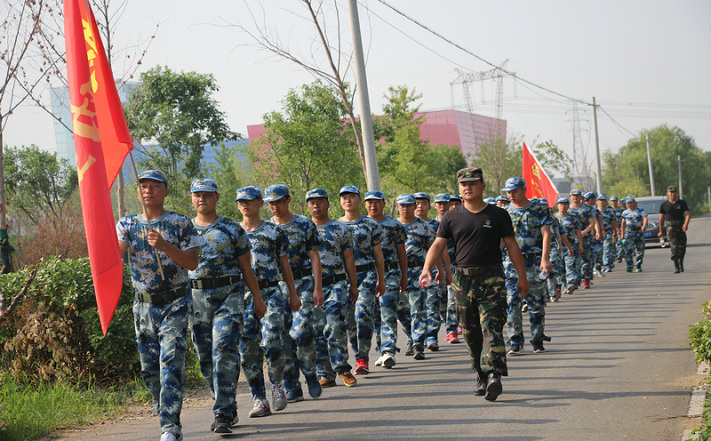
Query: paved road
{"x": 618, "y": 368}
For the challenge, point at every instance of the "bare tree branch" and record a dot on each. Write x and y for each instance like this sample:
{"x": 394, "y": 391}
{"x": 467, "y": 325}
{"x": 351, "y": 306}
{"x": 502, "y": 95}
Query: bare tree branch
{"x": 15, "y": 299}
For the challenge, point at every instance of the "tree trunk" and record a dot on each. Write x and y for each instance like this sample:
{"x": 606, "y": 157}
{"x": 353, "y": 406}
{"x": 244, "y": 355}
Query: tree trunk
{"x": 3, "y": 204}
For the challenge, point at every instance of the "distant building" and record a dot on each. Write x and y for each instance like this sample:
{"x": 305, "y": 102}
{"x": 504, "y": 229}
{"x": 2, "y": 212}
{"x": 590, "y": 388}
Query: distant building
{"x": 465, "y": 130}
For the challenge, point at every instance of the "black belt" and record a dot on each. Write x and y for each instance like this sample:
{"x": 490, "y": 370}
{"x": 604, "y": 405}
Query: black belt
{"x": 634, "y": 228}
{"x": 264, "y": 284}
{"x": 326, "y": 281}
{"x": 217, "y": 282}
{"x": 412, "y": 263}
{"x": 676, "y": 223}
{"x": 300, "y": 274}
{"x": 392, "y": 265}
{"x": 365, "y": 267}
{"x": 162, "y": 298}
{"x": 479, "y": 270}
{"x": 530, "y": 255}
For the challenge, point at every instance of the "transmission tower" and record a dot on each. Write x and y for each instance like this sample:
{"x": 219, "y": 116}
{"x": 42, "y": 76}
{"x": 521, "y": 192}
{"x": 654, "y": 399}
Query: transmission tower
{"x": 580, "y": 162}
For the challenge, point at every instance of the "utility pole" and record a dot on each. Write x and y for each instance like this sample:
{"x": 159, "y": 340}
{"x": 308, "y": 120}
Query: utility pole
{"x": 681, "y": 191}
{"x": 598, "y": 167}
{"x": 366, "y": 118}
{"x": 651, "y": 170}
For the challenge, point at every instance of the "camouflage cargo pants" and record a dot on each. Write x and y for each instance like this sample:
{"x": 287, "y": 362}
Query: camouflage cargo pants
{"x": 634, "y": 248}
{"x": 536, "y": 306}
{"x": 300, "y": 341}
{"x": 332, "y": 332}
{"x": 360, "y": 315}
{"x": 677, "y": 241}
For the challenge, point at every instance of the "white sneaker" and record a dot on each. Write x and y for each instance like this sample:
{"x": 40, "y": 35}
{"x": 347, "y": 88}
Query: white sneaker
{"x": 170, "y": 436}
{"x": 278, "y": 397}
{"x": 379, "y": 361}
{"x": 260, "y": 409}
{"x": 388, "y": 360}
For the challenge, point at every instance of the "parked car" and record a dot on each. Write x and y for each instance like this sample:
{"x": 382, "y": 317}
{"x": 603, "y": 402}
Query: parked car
{"x": 651, "y": 205}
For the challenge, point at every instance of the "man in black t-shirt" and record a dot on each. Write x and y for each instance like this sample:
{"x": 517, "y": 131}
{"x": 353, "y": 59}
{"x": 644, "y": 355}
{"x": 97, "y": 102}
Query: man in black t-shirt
{"x": 477, "y": 229}
{"x": 676, "y": 213}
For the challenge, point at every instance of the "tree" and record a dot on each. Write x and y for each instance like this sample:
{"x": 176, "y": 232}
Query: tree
{"x": 177, "y": 112}
{"x": 229, "y": 173}
{"x": 307, "y": 145}
{"x": 627, "y": 172}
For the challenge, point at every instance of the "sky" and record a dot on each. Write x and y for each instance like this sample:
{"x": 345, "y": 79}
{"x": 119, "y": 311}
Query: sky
{"x": 647, "y": 62}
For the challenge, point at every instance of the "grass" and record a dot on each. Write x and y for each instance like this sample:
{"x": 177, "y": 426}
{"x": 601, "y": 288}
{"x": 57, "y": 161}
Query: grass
{"x": 30, "y": 410}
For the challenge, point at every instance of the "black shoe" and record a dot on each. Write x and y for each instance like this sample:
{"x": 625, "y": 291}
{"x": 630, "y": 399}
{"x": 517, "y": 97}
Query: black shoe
{"x": 681, "y": 266}
{"x": 419, "y": 352}
{"x": 538, "y": 348}
{"x": 410, "y": 350}
{"x": 222, "y": 424}
{"x": 480, "y": 390}
{"x": 493, "y": 387}
{"x": 515, "y": 349}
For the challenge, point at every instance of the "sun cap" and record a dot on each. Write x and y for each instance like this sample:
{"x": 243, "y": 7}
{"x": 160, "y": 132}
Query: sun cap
{"x": 374, "y": 195}
{"x": 514, "y": 183}
{"x": 248, "y": 194}
{"x": 614, "y": 198}
{"x": 349, "y": 189}
{"x": 631, "y": 199}
{"x": 405, "y": 198}
{"x": 490, "y": 200}
{"x": 589, "y": 195}
{"x": 203, "y": 184}
{"x": 455, "y": 197}
{"x": 672, "y": 188}
{"x": 470, "y": 174}
{"x": 602, "y": 197}
{"x": 153, "y": 175}
{"x": 576, "y": 191}
{"x": 316, "y": 193}
{"x": 563, "y": 201}
{"x": 276, "y": 192}
{"x": 422, "y": 195}
{"x": 442, "y": 197}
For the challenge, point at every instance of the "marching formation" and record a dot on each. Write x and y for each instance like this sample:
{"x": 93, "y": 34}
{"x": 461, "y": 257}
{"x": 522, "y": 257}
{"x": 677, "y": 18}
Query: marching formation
{"x": 302, "y": 293}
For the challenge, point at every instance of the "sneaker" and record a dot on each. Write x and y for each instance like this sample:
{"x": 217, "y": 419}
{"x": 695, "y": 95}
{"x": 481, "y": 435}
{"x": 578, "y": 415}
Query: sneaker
{"x": 558, "y": 292}
{"x": 314, "y": 386}
{"x": 480, "y": 390}
{"x": 629, "y": 269}
{"x": 348, "y": 378}
{"x": 361, "y": 367}
{"x": 410, "y": 349}
{"x": 278, "y": 397}
{"x": 419, "y": 352}
{"x": 260, "y": 409}
{"x": 586, "y": 283}
{"x": 452, "y": 337}
{"x": 433, "y": 346}
{"x": 388, "y": 360}
{"x": 327, "y": 383}
{"x": 571, "y": 289}
{"x": 459, "y": 330}
{"x": 538, "y": 348}
{"x": 599, "y": 273}
{"x": 554, "y": 298}
{"x": 379, "y": 361}
{"x": 493, "y": 387}
{"x": 293, "y": 396}
{"x": 515, "y": 349}
{"x": 222, "y": 424}
{"x": 170, "y": 436}
{"x": 638, "y": 269}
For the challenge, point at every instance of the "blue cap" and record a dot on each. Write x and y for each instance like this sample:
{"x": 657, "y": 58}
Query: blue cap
{"x": 543, "y": 201}
{"x": 442, "y": 197}
{"x": 576, "y": 191}
{"x": 589, "y": 195}
{"x": 203, "y": 185}
{"x": 614, "y": 198}
{"x": 455, "y": 197}
{"x": 248, "y": 194}
{"x": 514, "y": 183}
{"x": 503, "y": 197}
{"x": 422, "y": 195}
{"x": 630, "y": 199}
{"x": 602, "y": 197}
{"x": 316, "y": 193}
{"x": 154, "y": 175}
{"x": 349, "y": 189}
{"x": 563, "y": 201}
{"x": 405, "y": 198}
{"x": 276, "y": 191}
{"x": 490, "y": 200}
{"x": 374, "y": 195}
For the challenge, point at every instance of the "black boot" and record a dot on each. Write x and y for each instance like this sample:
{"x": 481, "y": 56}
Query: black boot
{"x": 677, "y": 269}
{"x": 681, "y": 264}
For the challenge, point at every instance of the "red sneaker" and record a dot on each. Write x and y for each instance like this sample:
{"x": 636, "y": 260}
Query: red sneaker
{"x": 361, "y": 367}
{"x": 452, "y": 337}
{"x": 586, "y": 283}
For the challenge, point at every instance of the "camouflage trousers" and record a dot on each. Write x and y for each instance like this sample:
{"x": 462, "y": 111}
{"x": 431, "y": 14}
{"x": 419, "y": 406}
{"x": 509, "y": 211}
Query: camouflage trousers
{"x": 586, "y": 259}
{"x": 161, "y": 334}
{"x": 571, "y": 265}
{"x": 634, "y": 248}
{"x": 536, "y": 301}
{"x": 332, "y": 332}
{"x": 608, "y": 250}
{"x": 677, "y": 241}
{"x": 557, "y": 276}
{"x": 597, "y": 247}
{"x": 386, "y": 313}
{"x": 481, "y": 305}
{"x": 434, "y": 316}
{"x": 216, "y": 320}
{"x": 620, "y": 249}
{"x": 451, "y": 322}
{"x": 264, "y": 340}
{"x": 300, "y": 341}
{"x": 360, "y": 315}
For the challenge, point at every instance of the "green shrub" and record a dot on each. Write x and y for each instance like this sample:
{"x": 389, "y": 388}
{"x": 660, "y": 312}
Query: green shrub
{"x": 55, "y": 331}
{"x": 700, "y": 335}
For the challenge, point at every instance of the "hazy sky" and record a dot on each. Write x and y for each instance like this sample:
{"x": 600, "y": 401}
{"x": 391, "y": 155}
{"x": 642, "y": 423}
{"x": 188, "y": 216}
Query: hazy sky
{"x": 647, "y": 62}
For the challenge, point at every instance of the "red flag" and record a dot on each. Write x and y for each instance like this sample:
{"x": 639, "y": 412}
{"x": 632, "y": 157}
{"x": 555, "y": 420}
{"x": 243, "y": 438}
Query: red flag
{"x": 538, "y": 184}
{"x": 101, "y": 141}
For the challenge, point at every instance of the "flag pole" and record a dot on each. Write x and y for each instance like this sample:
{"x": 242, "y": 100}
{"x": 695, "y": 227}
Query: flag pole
{"x": 143, "y": 204}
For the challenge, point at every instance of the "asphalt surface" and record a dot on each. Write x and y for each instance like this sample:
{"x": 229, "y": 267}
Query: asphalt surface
{"x": 618, "y": 368}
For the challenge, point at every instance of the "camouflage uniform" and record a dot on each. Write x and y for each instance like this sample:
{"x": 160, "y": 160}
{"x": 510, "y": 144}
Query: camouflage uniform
{"x": 527, "y": 223}
{"x": 161, "y": 327}
{"x": 452, "y": 322}
{"x": 557, "y": 276}
{"x": 569, "y": 224}
{"x": 331, "y": 329}
{"x": 634, "y": 237}
{"x": 584, "y": 261}
{"x": 419, "y": 238}
{"x": 608, "y": 243}
{"x": 619, "y": 245}
{"x": 217, "y": 312}
{"x": 300, "y": 341}
{"x": 265, "y": 340}
{"x": 366, "y": 235}
{"x": 597, "y": 246}
{"x": 433, "y": 301}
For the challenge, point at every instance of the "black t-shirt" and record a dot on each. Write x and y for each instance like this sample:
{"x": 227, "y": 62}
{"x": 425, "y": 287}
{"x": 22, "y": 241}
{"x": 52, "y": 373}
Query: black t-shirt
{"x": 477, "y": 236}
{"x": 674, "y": 211}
